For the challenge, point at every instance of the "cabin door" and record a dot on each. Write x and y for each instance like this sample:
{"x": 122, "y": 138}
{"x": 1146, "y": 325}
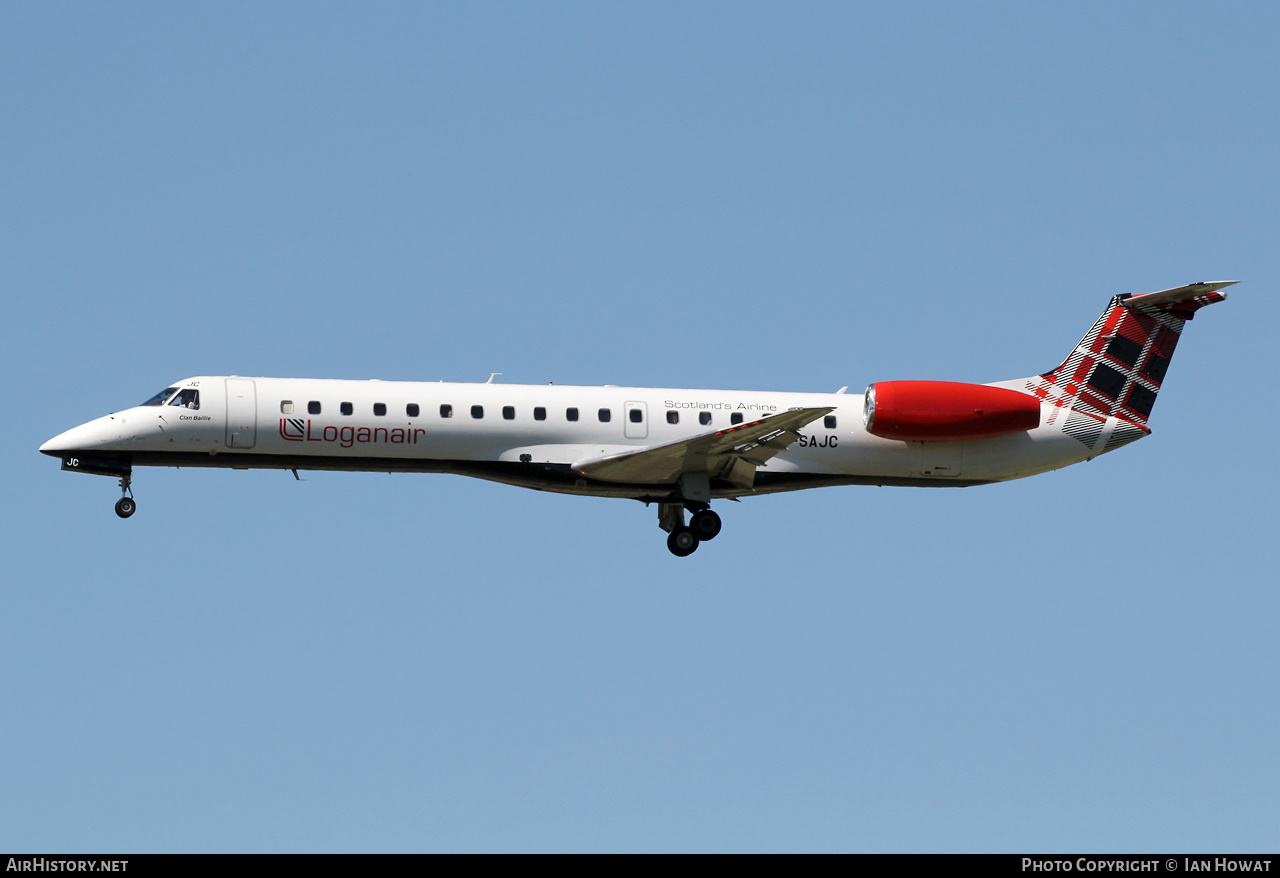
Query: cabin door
{"x": 242, "y": 413}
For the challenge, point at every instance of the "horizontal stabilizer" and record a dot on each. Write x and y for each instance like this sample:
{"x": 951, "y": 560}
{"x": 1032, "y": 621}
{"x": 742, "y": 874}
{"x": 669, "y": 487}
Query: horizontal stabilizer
{"x": 724, "y": 451}
{"x": 1177, "y": 294}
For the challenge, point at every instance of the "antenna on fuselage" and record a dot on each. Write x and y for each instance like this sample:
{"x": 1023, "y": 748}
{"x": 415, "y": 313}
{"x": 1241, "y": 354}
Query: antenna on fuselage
{"x": 492, "y": 375}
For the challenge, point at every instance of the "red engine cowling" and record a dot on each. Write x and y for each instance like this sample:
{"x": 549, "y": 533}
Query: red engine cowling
{"x": 946, "y": 411}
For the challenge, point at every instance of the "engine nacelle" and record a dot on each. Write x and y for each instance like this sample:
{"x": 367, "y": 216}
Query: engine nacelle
{"x": 946, "y": 411}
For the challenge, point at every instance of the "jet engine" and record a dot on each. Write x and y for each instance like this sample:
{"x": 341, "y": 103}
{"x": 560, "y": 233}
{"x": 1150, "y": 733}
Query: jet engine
{"x": 946, "y": 411}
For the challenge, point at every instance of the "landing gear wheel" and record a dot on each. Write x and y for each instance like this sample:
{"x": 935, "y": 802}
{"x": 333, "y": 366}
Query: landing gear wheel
{"x": 125, "y": 507}
{"x": 705, "y": 524}
{"x": 682, "y": 542}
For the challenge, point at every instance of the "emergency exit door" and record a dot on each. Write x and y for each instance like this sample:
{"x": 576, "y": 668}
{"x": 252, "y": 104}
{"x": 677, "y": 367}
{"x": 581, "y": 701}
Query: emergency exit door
{"x": 636, "y": 425}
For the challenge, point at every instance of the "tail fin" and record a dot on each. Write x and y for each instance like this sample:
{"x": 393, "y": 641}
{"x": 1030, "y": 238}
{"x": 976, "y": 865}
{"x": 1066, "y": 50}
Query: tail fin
{"x": 1116, "y": 369}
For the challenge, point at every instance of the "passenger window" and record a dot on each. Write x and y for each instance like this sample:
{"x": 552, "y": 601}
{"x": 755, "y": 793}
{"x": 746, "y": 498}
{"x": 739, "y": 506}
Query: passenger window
{"x": 477, "y": 411}
{"x": 704, "y": 418}
{"x": 636, "y": 416}
{"x": 829, "y": 422}
{"x": 735, "y": 418}
{"x": 446, "y": 411}
{"x": 571, "y": 414}
{"x": 539, "y": 414}
{"x": 412, "y": 410}
{"x": 313, "y": 408}
{"x": 508, "y": 413}
{"x": 379, "y": 409}
{"x": 673, "y": 417}
{"x": 187, "y": 399}
{"x": 605, "y": 415}
{"x": 346, "y": 408}
{"x": 286, "y": 406}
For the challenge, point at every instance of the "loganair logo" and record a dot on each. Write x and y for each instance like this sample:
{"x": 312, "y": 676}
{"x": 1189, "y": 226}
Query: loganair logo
{"x": 300, "y": 430}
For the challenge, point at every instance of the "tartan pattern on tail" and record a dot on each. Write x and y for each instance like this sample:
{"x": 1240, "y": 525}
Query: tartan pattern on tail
{"x": 1123, "y": 434}
{"x": 1117, "y": 368}
{"x": 1084, "y": 428}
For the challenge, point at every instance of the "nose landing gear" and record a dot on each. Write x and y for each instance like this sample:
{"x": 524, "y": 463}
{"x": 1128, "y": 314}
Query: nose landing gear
{"x": 99, "y": 466}
{"x": 126, "y": 505}
{"x": 683, "y": 539}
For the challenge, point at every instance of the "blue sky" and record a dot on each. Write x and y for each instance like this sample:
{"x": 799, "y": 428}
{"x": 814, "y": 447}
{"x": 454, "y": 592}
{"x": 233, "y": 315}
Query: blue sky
{"x": 706, "y": 195}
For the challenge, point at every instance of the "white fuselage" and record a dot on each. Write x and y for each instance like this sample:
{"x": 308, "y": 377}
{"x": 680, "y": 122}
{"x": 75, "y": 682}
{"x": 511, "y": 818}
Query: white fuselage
{"x": 678, "y": 448}
{"x": 528, "y": 435}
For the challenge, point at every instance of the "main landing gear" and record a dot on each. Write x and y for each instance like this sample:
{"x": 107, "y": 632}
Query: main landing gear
{"x": 126, "y": 505}
{"x": 683, "y": 538}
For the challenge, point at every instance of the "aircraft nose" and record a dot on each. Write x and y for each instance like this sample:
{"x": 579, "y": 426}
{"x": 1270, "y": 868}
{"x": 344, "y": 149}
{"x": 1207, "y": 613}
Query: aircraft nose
{"x": 94, "y": 434}
{"x": 71, "y": 440}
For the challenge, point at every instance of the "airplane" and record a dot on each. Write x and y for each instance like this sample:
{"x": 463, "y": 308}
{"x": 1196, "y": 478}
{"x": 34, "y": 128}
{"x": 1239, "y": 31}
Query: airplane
{"x": 678, "y": 448}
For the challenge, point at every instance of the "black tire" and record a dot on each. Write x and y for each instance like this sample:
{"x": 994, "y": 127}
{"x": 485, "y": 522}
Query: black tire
{"x": 705, "y": 524}
{"x": 682, "y": 542}
{"x": 126, "y": 507}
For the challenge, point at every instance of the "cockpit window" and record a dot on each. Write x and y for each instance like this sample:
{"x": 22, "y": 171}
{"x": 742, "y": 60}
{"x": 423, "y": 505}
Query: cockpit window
{"x": 187, "y": 399}
{"x": 161, "y": 397}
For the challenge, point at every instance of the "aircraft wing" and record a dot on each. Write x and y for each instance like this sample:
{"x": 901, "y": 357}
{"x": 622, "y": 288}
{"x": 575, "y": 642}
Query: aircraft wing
{"x": 732, "y": 453}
